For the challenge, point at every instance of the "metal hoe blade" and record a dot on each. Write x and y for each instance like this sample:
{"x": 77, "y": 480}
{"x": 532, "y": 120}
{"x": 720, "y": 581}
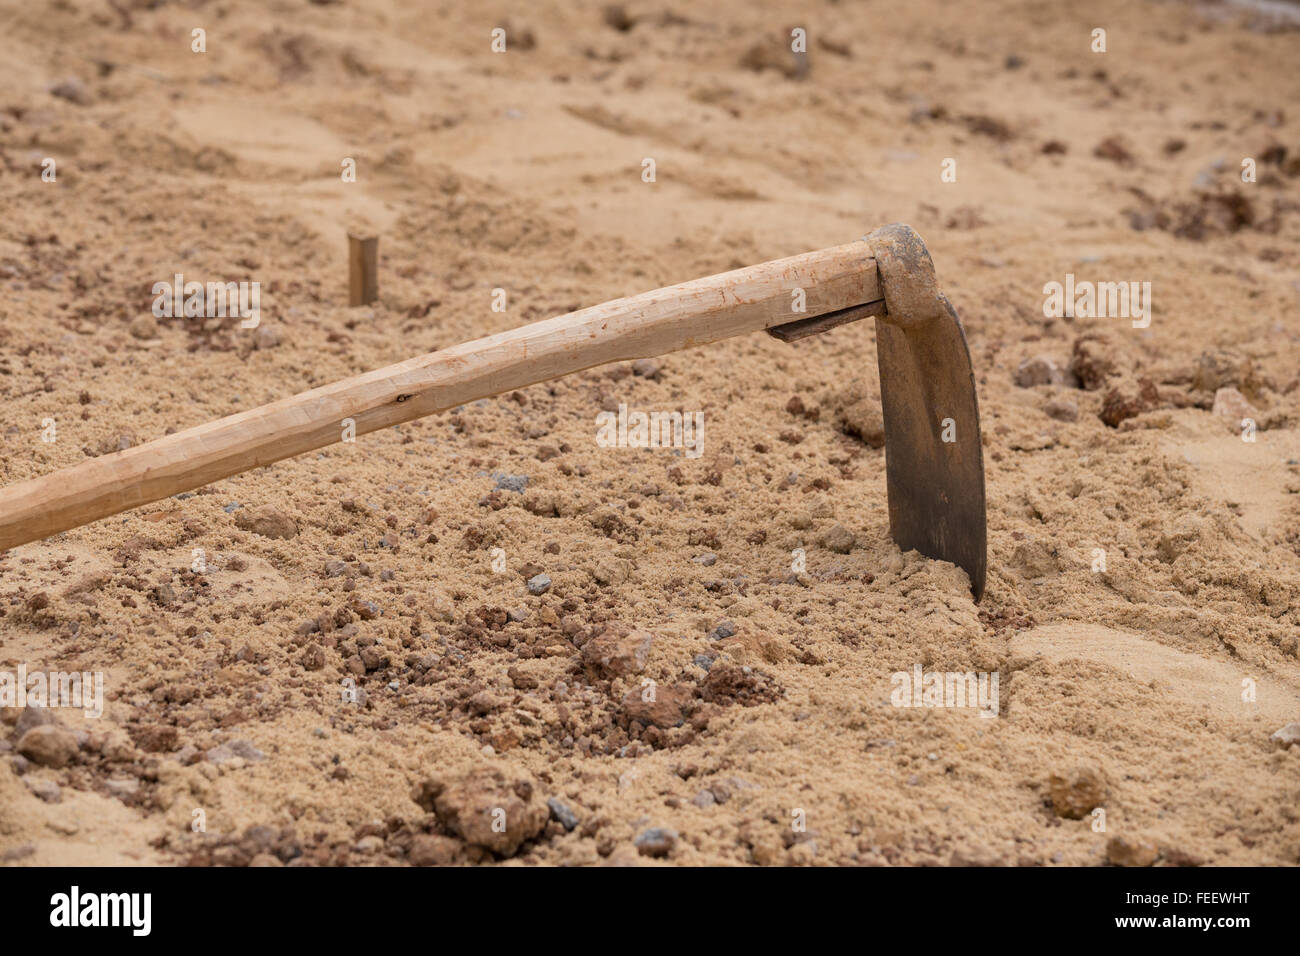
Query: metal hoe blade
{"x": 933, "y": 456}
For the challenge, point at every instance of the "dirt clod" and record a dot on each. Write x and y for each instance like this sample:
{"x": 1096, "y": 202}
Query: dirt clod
{"x": 1076, "y": 793}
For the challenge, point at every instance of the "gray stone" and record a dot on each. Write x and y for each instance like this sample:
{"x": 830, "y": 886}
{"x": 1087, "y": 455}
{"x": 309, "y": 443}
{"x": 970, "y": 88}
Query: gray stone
{"x": 1041, "y": 370}
{"x": 47, "y": 790}
{"x": 656, "y": 841}
{"x": 561, "y": 813}
{"x": 515, "y": 483}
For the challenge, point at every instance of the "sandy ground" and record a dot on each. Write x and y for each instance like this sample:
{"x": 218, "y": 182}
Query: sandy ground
{"x": 1147, "y": 690}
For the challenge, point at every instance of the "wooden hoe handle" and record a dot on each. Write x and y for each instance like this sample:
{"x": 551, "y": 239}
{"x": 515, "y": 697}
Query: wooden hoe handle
{"x": 665, "y": 320}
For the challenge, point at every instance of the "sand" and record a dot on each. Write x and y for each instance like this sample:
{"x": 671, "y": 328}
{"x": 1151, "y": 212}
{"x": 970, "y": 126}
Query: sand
{"x": 1147, "y": 690}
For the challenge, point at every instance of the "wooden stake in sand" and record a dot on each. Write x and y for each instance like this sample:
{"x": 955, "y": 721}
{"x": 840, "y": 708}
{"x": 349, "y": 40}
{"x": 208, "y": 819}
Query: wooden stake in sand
{"x": 363, "y": 269}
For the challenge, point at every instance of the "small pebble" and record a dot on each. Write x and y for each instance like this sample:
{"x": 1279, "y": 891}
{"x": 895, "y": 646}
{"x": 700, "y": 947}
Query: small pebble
{"x": 656, "y": 842}
{"x": 369, "y": 844}
{"x": 1134, "y": 851}
{"x": 539, "y": 584}
{"x": 47, "y": 790}
{"x": 235, "y": 748}
{"x": 48, "y": 745}
{"x": 122, "y": 787}
{"x": 143, "y": 326}
{"x": 1288, "y": 736}
{"x": 1063, "y": 410}
{"x": 838, "y": 539}
{"x": 515, "y": 483}
{"x": 1040, "y": 370}
{"x": 561, "y": 813}
{"x": 72, "y": 90}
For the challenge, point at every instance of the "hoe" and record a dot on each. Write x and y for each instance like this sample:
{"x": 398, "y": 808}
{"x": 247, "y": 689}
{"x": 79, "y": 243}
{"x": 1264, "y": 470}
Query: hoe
{"x": 934, "y": 463}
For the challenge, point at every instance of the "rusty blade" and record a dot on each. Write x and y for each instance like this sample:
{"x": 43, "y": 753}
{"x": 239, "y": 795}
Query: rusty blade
{"x": 936, "y": 487}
